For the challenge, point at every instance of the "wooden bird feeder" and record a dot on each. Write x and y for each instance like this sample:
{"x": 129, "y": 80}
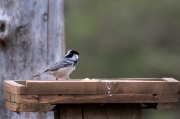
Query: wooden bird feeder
{"x": 93, "y": 98}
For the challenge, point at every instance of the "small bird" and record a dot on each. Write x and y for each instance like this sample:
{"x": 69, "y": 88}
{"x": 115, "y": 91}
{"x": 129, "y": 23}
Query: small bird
{"x": 63, "y": 68}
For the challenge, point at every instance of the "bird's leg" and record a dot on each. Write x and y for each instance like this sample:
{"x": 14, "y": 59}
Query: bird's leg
{"x": 67, "y": 78}
{"x": 56, "y": 79}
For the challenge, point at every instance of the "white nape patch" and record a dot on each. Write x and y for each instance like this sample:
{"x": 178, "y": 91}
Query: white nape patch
{"x": 68, "y": 52}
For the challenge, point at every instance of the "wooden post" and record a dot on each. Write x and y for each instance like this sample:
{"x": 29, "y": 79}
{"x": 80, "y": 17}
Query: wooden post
{"x": 31, "y": 39}
{"x": 100, "y": 111}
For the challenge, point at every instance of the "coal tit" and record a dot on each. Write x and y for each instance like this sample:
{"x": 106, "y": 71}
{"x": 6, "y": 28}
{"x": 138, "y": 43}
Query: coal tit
{"x": 63, "y": 68}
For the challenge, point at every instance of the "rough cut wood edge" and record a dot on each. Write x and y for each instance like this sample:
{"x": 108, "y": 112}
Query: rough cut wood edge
{"x": 21, "y": 98}
{"x": 28, "y": 107}
{"x": 112, "y": 98}
{"x": 13, "y": 87}
{"x": 165, "y": 105}
{"x": 114, "y": 79}
{"x": 127, "y": 86}
{"x": 168, "y": 106}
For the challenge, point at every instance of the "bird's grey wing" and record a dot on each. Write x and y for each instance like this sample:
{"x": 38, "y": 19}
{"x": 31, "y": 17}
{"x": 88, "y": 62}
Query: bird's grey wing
{"x": 59, "y": 65}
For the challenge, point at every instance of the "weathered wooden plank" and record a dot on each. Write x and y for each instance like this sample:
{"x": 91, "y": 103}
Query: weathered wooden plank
{"x": 13, "y": 87}
{"x": 26, "y": 99}
{"x": 168, "y": 106}
{"x": 70, "y": 111}
{"x": 7, "y": 95}
{"x": 115, "y": 98}
{"x": 112, "y": 111}
{"x": 28, "y": 107}
{"x": 20, "y": 98}
{"x": 128, "y": 86}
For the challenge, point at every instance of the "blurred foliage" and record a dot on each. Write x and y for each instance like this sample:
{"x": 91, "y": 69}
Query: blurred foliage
{"x": 120, "y": 38}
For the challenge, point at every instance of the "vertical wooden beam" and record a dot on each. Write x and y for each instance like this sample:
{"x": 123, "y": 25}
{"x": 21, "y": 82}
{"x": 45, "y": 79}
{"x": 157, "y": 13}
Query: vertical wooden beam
{"x": 100, "y": 111}
{"x": 25, "y": 52}
{"x": 112, "y": 111}
{"x": 29, "y": 49}
{"x": 56, "y": 46}
{"x": 71, "y": 111}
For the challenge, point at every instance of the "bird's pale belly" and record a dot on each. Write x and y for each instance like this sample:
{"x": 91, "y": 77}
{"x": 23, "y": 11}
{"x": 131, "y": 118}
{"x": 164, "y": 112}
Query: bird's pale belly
{"x": 63, "y": 72}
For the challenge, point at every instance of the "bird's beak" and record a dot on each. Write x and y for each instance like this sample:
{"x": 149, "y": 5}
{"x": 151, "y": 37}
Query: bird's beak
{"x": 79, "y": 58}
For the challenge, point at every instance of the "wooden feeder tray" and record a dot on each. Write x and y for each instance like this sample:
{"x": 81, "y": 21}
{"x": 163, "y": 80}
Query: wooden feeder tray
{"x": 36, "y": 96}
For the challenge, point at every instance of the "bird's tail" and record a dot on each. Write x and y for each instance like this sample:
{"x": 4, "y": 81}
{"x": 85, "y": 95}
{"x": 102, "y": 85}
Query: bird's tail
{"x": 37, "y": 75}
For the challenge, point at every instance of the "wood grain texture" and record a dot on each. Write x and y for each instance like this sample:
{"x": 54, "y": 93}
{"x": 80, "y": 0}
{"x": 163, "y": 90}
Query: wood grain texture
{"x": 168, "y": 106}
{"x": 29, "y": 107}
{"x": 100, "y": 111}
{"x": 21, "y": 98}
{"x": 56, "y": 41}
{"x": 74, "y": 99}
{"x": 118, "y": 86}
{"x": 13, "y": 87}
{"x": 27, "y": 47}
{"x": 115, "y": 98}
{"x": 112, "y": 111}
{"x": 70, "y": 112}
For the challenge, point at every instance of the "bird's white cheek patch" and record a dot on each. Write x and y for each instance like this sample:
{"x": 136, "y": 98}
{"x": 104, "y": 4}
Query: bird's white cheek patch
{"x": 76, "y": 57}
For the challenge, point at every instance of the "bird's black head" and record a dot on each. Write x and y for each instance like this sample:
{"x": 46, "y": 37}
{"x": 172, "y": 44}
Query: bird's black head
{"x": 72, "y": 54}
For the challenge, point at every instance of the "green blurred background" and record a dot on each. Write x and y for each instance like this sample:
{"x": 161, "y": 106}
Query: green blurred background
{"x": 125, "y": 38}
